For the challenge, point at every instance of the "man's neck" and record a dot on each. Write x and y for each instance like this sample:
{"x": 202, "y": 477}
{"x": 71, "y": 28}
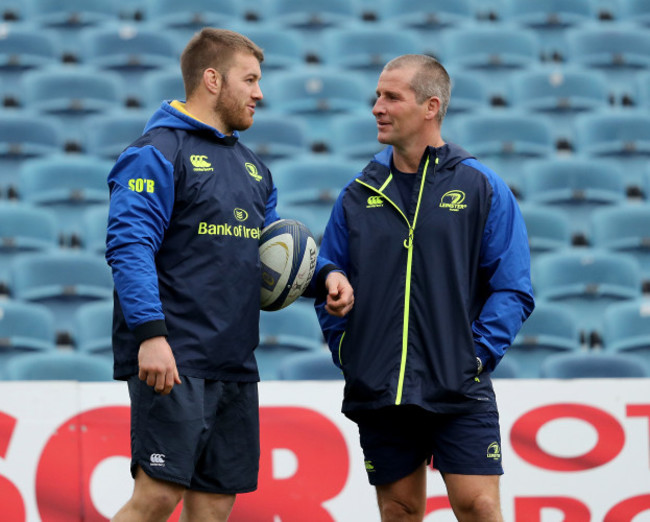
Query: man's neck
{"x": 408, "y": 159}
{"x": 204, "y": 115}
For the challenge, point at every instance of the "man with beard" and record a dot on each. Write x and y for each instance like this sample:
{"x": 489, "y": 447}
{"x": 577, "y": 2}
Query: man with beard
{"x": 188, "y": 201}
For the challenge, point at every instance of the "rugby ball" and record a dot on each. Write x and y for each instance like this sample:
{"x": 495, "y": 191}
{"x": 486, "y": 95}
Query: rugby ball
{"x": 288, "y": 257}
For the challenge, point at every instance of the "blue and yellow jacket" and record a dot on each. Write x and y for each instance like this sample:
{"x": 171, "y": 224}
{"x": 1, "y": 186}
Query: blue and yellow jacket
{"x": 437, "y": 283}
{"x": 187, "y": 206}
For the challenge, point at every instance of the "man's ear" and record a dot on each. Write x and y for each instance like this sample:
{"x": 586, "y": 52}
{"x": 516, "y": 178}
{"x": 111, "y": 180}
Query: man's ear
{"x": 212, "y": 80}
{"x": 433, "y": 107}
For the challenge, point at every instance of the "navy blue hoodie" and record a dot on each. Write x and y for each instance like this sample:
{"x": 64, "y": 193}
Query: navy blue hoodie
{"x": 187, "y": 207}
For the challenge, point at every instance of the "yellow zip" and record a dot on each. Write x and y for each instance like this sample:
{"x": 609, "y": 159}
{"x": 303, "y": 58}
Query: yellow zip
{"x": 408, "y": 244}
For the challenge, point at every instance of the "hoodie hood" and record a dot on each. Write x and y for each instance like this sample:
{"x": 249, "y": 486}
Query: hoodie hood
{"x": 170, "y": 115}
{"x": 449, "y": 155}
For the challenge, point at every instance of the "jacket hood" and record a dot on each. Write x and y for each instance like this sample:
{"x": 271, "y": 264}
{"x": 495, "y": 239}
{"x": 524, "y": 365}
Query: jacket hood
{"x": 168, "y": 116}
{"x": 449, "y": 155}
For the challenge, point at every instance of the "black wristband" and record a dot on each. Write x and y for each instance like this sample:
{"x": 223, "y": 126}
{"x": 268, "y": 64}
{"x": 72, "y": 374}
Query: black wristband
{"x": 150, "y": 329}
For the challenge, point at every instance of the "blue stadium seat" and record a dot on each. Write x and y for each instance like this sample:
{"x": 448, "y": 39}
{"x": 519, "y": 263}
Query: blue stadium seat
{"x": 624, "y": 228}
{"x": 25, "y": 135}
{"x": 15, "y": 11}
{"x": 283, "y": 48}
{"x": 24, "y": 47}
{"x": 274, "y": 136}
{"x": 107, "y": 135}
{"x": 93, "y": 229}
{"x": 504, "y": 139}
{"x": 314, "y": 217}
{"x": 93, "y": 328}
{"x": 621, "y": 136}
{"x": 309, "y": 366}
{"x": 549, "y": 19}
{"x": 548, "y": 228}
{"x": 507, "y": 368}
{"x": 312, "y": 179}
{"x": 620, "y": 50}
{"x": 577, "y": 186}
{"x": 67, "y": 186}
{"x": 58, "y": 366}
{"x": 355, "y": 136}
{"x": 367, "y": 49}
{"x": 316, "y": 96}
{"x": 560, "y": 93}
{"x": 642, "y": 97}
{"x": 24, "y": 228}
{"x": 427, "y": 14}
{"x": 129, "y": 50}
{"x": 75, "y": 13}
{"x": 468, "y": 93}
{"x": 592, "y": 365}
{"x": 311, "y": 14}
{"x": 24, "y": 328}
{"x": 626, "y": 329}
{"x": 587, "y": 281}
{"x": 636, "y": 11}
{"x": 62, "y": 281}
{"x": 492, "y": 53}
{"x": 161, "y": 85}
{"x": 550, "y": 329}
{"x": 189, "y": 16}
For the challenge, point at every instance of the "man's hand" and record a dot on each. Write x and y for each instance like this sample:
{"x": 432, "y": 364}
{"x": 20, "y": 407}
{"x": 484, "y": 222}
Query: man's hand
{"x": 157, "y": 365}
{"x": 340, "y": 296}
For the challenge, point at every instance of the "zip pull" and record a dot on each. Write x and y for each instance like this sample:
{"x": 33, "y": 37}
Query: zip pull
{"x": 408, "y": 243}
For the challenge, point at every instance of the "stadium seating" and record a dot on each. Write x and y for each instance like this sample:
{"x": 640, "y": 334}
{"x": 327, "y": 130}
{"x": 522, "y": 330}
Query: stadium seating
{"x": 504, "y": 140}
{"x": 23, "y": 228}
{"x": 620, "y": 136}
{"x": 275, "y": 137}
{"x": 283, "y": 48}
{"x": 355, "y": 136}
{"x": 560, "y": 93}
{"x": 576, "y": 186}
{"x": 317, "y": 96}
{"x": 314, "y": 217}
{"x": 309, "y": 366}
{"x": 507, "y": 368}
{"x": 626, "y": 329}
{"x": 92, "y": 234}
{"x": 93, "y": 328}
{"x": 186, "y": 17}
{"x": 548, "y": 228}
{"x": 312, "y": 180}
{"x": 24, "y": 328}
{"x": 588, "y": 281}
{"x": 57, "y": 366}
{"x": 624, "y": 228}
{"x": 468, "y": 93}
{"x": 311, "y": 14}
{"x": 160, "y": 85}
{"x": 107, "y": 135}
{"x": 636, "y": 11}
{"x": 550, "y": 329}
{"x": 67, "y": 186}
{"x": 62, "y": 281}
{"x": 427, "y": 14}
{"x": 592, "y": 365}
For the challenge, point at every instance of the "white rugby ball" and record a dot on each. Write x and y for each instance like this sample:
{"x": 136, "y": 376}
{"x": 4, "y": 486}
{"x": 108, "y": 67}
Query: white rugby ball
{"x": 288, "y": 255}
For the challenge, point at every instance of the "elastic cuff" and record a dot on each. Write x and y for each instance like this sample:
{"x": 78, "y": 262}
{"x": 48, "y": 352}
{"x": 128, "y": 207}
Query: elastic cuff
{"x": 150, "y": 329}
{"x": 322, "y": 276}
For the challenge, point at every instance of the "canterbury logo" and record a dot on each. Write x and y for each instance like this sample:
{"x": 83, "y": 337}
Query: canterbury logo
{"x": 252, "y": 171}
{"x": 453, "y": 200}
{"x": 200, "y": 163}
{"x": 374, "y": 202}
{"x": 157, "y": 459}
{"x": 240, "y": 214}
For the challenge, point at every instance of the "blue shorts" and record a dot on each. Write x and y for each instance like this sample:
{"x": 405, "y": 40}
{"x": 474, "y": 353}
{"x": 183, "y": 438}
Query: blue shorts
{"x": 396, "y": 440}
{"x": 204, "y": 435}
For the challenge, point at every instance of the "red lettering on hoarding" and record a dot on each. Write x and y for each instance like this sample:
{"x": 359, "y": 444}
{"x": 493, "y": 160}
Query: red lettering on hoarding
{"x": 639, "y": 410}
{"x": 322, "y": 468}
{"x": 13, "y": 507}
{"x": 611, "y": 437}
{"x": 625, "y": 511}
{"x": 529, "y": 509}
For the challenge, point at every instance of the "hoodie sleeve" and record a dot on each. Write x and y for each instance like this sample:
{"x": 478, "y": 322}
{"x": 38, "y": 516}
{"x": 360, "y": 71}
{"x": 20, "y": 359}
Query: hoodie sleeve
{"x": 142, "y": 197}
{"x": 335, "y": 255}
{"x": 505, "y": 265}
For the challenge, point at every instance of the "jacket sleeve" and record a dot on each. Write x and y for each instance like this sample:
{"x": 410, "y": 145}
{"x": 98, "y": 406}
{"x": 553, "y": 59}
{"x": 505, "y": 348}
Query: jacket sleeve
{"x": 142, "y": 197}
{"x": 335, "y": 254}
{"x": 505, "y": 267}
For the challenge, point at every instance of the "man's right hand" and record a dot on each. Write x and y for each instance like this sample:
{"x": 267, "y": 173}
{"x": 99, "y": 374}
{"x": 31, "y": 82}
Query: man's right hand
{"x": 157, "y": 365}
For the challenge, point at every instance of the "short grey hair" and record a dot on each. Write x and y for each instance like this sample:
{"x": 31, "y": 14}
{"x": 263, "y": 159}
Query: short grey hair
{"x": 430, "y": 79}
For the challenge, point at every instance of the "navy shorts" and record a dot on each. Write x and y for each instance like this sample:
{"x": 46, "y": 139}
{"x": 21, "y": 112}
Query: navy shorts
{"x": 204, "y": 435}
{"x": 396, "y": 440}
